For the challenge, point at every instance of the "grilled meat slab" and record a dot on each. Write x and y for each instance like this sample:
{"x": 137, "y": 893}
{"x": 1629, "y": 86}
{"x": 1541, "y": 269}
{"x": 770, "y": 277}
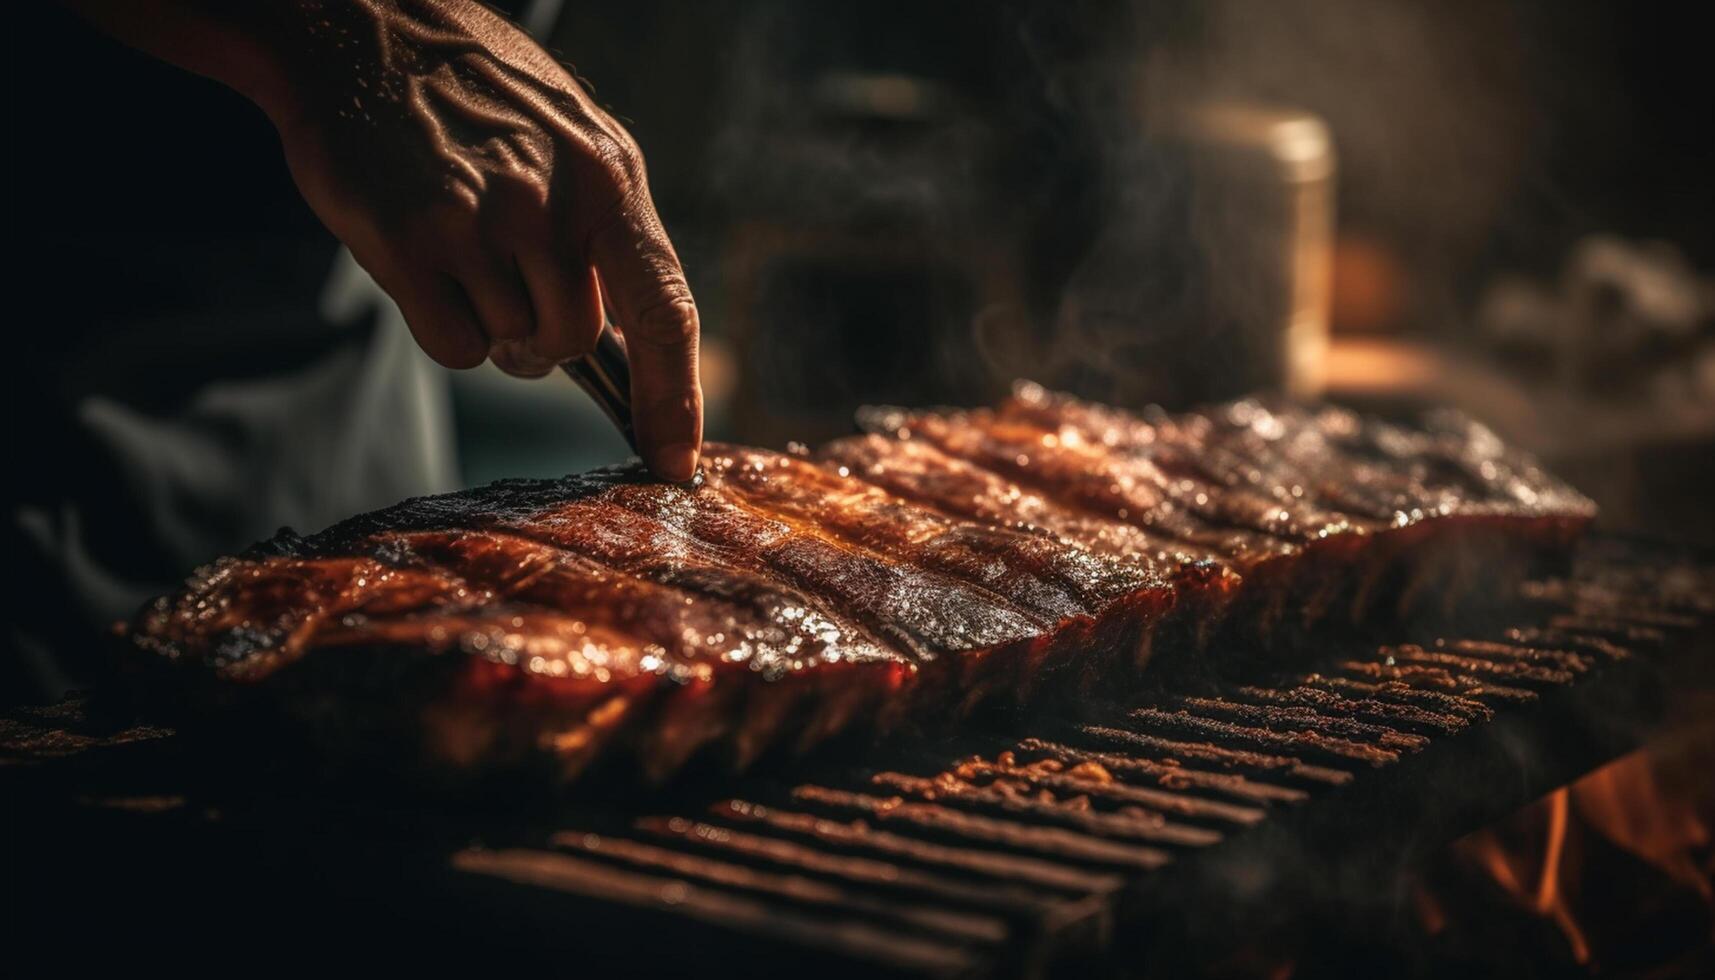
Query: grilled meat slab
{"x": 943, "y": 561}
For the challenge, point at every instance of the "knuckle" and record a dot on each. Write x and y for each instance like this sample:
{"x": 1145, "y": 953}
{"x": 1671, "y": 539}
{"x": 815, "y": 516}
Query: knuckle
{"x": 550, "y": 350}
{"x": 528, "y": 190}
{"x": 672, "y": 322}
{"x": 510, "y": 325}
{"x": 519, "y": 360}
{"x": 676, "y": 408}
{"x": 453, "y": 216}
{"x": 505, "y": 312}
{"x": 529, "y": 225}
{"x": 564, "y": 346}
{"x": 620, "y": 158}
{"x": 459, "y": 204}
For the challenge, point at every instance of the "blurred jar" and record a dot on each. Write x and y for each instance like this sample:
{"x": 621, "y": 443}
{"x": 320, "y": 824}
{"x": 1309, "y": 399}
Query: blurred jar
{"x": 1262, "y": 214}
{"x": 1212, "y": 280}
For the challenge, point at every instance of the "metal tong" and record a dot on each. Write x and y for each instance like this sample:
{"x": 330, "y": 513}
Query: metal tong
{"x": 606, "y": 374}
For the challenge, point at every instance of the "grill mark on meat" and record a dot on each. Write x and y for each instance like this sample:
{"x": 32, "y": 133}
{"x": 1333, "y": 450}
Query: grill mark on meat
{"x": 539, "y": 575}
{"x": 1475, "y": 462}
{"x": 1349, "y": 466}
{"x": 1079, "y": 476}
{"x": 923, "y": 611}
{"x": 922, "y": 473}
{"x": 1311, "y": 449}
{"x": 777, "y": 606}
{"x": 1247, "y": 443}
{"x": 700, "y": 540}
{"x": 656, "y": 550}
{"x": 242, "y": 620}
{"x": 1048, "y": 577}
{"x": 1261, "y": 483}
{"x": 1258, "y": 465}
{"x": 972, "y": 557}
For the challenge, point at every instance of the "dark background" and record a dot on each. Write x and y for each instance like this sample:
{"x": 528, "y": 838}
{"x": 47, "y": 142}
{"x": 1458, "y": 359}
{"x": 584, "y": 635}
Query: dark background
{"x": 1604, "y": 109}
{"x": 1473, "y": 138}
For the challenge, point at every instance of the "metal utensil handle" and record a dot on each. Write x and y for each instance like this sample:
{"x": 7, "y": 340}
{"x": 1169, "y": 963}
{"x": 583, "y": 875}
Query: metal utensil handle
{"x": 606, "y": 374}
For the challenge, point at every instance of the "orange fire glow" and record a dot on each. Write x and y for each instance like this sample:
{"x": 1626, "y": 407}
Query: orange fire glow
{"x": 1651, "y": 805}
{"x": 1509, "y": 867}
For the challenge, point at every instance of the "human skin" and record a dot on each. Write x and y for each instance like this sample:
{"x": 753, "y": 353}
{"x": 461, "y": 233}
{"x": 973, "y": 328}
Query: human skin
{"x": 469, "y": 173}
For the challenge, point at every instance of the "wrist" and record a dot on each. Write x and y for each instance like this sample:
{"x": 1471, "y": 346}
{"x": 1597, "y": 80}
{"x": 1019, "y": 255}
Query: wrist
{"x": 262, "y": 53}
{"x": 259, "y": 69}
{"x": 244, "y": 45}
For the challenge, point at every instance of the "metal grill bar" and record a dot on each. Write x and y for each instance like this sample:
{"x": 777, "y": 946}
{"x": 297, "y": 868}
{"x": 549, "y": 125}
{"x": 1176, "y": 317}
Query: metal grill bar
{"x": 1308, "y": 741}
{"x": 1401, "y": 716}
{"x": 943, "y": 821}
{"x": 1245, "y": 760}
{"x": 1000, "y": 853}
{"x": 1015, "y": 831}
{"x": 1302, "y": 719}
{"x": 797, "y": 889}
{"x": 1435, "y": 677}
{"x": 1402, "y": 693}
{"x": 1170, "y": 775}
{"x": 1093, "y": 782}
{"x": 1514, "y": 673}
{"x": 596, "y": 881}
{"x": 857, "y": 835}
{"x": 1012, "y": 902}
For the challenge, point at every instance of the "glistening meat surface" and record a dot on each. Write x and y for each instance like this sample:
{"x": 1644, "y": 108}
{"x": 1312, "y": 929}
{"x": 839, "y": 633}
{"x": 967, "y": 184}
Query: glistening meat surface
{"x": 944, "y": 561}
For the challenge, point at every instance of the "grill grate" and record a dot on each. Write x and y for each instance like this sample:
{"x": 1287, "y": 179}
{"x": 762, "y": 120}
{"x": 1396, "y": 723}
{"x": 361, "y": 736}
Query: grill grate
{"x": 1014, "y": 854}
{"x": 992, "y": 857}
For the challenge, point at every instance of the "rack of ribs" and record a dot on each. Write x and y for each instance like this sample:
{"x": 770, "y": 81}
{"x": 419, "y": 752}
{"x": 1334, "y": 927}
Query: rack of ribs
{"x": 943, "y": 561}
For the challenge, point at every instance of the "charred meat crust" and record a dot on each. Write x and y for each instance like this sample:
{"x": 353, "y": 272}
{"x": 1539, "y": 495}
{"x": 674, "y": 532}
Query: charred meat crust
{"x": 944, "y": 561}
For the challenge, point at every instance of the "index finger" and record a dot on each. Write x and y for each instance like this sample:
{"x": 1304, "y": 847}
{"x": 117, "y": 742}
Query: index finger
{"x": 655, "y": 313}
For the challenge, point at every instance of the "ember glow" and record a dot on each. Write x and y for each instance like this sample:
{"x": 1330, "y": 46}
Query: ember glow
{"x": 1620, "y": 864}
{"x": 1532, "y": 875}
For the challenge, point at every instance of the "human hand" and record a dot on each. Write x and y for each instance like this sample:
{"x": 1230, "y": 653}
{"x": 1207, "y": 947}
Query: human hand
{"x": 502, "y": 209}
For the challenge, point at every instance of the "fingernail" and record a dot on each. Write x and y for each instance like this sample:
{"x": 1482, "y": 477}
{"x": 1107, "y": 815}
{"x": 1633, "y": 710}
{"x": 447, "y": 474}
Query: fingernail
{"x": 675, "y": 463}
{"x": 517, "y": 360}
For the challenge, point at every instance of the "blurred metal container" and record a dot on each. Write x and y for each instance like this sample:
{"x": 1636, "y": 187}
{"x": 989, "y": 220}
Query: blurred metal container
{"x": 1262, "y": 216}
{"x": 1211, "y": 277}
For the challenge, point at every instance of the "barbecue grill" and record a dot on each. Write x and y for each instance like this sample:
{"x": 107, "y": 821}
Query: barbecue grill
{"x": 1150, "y": 840}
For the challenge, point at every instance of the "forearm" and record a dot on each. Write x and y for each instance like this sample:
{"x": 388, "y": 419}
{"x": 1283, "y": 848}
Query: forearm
{"x": 468, "y": 172}
{"x": 239, "y": 43}
{"x": 279, "y": 53}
